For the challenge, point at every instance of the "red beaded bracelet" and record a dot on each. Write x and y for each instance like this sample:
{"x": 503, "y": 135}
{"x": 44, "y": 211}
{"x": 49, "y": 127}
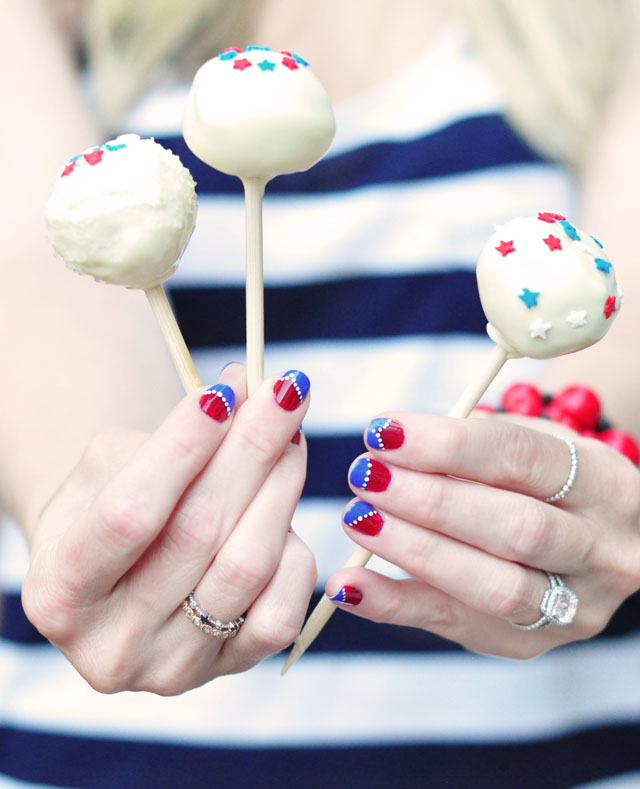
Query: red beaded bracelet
{"x": 576, "y": 407}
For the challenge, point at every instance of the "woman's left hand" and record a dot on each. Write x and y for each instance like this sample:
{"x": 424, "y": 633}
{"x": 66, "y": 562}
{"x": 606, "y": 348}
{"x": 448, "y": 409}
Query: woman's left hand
{"x": 459, "y": 504}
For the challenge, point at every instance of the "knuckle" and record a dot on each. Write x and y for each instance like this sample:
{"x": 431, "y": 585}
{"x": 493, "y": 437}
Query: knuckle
{"x": 533, "y": 533}
{"x": 512, "y": 600}
{"x": 275, "y": 635}
{"x": 430, "y": 510}
{"x": 517, "y": 459}
{"x": 259, "y": 444}
{"x": 49, "y": 611}
{"x": 121, "y": 518}
{"x": 248, "y": 573}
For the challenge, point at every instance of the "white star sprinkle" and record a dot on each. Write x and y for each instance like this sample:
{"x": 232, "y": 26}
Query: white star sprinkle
{"x": 539, "y": 329}
{"x": 580, "y": 245}
{"x": 577, "y": 318}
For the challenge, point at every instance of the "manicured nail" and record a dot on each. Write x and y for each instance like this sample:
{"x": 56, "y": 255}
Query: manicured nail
{"x": 228, "y": 364}
{"x": 370, "y": 474}
{"x": 297, "y": 436}
{"x": 384, "y": 434}
{"x": 348, "y": 595}
{"x": 364, "y": 518}
{"x": 218, "y": 401}
{"x": 291, "y": 389}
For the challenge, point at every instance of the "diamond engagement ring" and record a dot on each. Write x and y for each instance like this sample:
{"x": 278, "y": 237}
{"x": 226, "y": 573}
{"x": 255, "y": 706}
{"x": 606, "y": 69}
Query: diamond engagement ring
{"x": 572, "y": 472}
{"x": 208, "y": 623}
{"x": 558, "y": 605}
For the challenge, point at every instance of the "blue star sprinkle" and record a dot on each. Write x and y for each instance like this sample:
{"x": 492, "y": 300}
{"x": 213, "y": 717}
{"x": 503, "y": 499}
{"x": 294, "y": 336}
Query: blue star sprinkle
{"x": 530, "y": 297}
{"x": 603, "y": 265}
{"x": 230, "y": 54}
{"x": 569, "y": 229}
{"x": 265, "y": 49}
{"x": 597, "y": 242}
{"x": 266, "y": 65}
{"x": 299, "y": 60}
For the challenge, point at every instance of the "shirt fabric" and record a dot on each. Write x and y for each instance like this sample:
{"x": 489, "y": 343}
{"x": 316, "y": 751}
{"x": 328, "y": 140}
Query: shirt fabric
{"x": 369, "y": 289}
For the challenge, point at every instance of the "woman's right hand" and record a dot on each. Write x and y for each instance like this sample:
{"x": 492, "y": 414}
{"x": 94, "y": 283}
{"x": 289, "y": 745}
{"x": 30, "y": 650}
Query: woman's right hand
{"x": 203, "y": 504}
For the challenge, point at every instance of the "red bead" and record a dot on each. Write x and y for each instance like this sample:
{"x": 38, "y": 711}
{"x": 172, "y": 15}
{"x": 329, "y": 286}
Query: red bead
{"x": 581, "y": 403}
{"x": 486, "y": 408}
{"x": 623, "y": 442}
{"x": 523, "y": 399}
{"x": 555, "y": 412}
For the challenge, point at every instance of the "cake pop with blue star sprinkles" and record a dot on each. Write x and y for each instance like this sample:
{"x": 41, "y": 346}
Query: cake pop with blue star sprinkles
{"x": 258, "y": 113}
{"x": 547, "y": 288}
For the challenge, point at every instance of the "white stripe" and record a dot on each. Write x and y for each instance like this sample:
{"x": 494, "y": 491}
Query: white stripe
{"x": 344, "y": 700}
{"x": 415, "y": 100}
{"x": 626, "y": 781}
{"x": 353, "y": 380}
{"x": 414, "y": 227}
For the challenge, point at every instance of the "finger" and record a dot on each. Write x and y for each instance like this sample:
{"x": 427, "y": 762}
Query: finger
{"x": 486, "y": 583}
{"x": 505, "y": 524}
{"x": 262, "y": 430}
{"x": 493, "y": 452}
{"x": 250, "y": 555}
{"x": 413, "y": 603}
{"x": 277, "y": 616}
{"x": 271, "y": 624}
{"x": 134, "y": 506}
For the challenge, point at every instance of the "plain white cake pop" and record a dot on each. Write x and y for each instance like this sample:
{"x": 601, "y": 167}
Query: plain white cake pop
{"x": 546, "y": 287}
{"x": 123, "y": 212}
{"x": 258, "y": 113}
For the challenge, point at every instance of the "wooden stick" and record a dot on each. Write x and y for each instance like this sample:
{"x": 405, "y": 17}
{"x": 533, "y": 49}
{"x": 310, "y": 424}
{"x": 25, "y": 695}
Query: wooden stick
{"x": 253, "y": 194}
{"x": 325, "y": 608}
{"x": 173, "y": 337}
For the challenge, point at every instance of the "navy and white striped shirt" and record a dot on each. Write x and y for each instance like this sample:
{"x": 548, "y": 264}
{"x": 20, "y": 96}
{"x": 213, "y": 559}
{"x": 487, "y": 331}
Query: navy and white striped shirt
{"x": 370, "y": 289}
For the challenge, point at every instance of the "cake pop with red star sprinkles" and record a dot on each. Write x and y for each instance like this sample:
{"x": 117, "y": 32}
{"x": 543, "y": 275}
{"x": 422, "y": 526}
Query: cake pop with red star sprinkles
{"x": 547, "y": 287}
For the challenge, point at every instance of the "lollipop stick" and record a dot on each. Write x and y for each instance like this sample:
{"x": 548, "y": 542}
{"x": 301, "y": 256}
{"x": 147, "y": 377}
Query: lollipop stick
{"x": 253, "y": 194}
{"x": 173, "y": 338}
{"x": 465, "y": 405}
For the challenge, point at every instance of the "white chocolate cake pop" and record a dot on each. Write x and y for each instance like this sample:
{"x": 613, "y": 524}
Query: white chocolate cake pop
{"x": 123, "y": 212}
{"x": 547, "y": 288}
{"x": 258, "y": 113}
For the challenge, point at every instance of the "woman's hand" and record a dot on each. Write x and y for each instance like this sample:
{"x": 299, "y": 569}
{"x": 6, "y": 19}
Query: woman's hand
{"x": 459, "y": 505}
{"x": 204, "y": 504}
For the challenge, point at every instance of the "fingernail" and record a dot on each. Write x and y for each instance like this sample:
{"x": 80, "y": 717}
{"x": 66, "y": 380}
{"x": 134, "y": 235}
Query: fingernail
{"x": 228, "y": 364}
{"x": 370, "y": 474}
{"x": 218, "y": 401}
{"x": 364, "y": 518}
{"x": 348, "y": 595}
{"x": 291, "y": 389}
{"x": 384, "y": 434}
{"x": 297, "y": 436}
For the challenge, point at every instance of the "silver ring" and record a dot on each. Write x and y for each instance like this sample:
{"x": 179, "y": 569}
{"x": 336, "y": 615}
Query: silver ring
{"x": 558, "y": 605}
{"x": 208, "y": 623}
{"x": 572, "y": 472}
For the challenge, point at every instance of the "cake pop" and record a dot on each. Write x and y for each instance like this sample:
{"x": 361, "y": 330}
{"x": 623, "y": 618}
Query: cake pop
{"x": 547, "y": 289}
{"x": 123, "y": 213}
{"x": 257, "y": 113}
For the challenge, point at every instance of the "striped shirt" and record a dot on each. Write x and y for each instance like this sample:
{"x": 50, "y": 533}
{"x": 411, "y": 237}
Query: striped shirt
{"x": 370, "y": 289}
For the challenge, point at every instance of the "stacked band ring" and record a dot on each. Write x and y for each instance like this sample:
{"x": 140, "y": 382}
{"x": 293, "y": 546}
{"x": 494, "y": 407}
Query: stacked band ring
{"x": 208, "y": 623}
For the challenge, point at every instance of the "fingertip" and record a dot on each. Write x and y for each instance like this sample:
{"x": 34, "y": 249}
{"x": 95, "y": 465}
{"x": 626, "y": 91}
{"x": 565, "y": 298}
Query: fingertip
{"x": 234, "y": 374}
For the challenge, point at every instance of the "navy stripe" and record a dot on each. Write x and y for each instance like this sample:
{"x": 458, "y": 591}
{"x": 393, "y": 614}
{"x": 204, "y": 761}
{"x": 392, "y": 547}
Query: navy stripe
{"x": 112, "y": 764}
{"x": 469, "y": 145}
{"x": 345, "y": 633}
{"x": 357, "y": 308}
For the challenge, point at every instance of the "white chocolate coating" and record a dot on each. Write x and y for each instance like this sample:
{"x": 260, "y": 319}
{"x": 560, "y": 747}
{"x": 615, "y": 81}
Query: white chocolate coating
{"x": 258, "y": 113}
{"x": 123, "y": 212}
{"x": 547, "y": 288}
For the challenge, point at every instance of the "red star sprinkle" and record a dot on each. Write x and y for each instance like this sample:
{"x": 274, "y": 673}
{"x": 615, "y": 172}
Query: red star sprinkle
{"x": 553, "y": 242}
{"x": 289, "y": 63}
{"x": 504, "y": 247}
{"x": 609, "y": 307}
{"x": 242, "y": 64}
{"x": 94, "y": 157}
{"x": 68, "y": 169}
{"x": 230, "y": 49}
{"x": 284, "y": 52}
{"x": 547, "y": 216}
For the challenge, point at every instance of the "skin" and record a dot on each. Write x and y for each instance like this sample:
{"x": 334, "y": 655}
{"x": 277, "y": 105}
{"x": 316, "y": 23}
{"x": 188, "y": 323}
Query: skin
{"x": 123, "y": 523}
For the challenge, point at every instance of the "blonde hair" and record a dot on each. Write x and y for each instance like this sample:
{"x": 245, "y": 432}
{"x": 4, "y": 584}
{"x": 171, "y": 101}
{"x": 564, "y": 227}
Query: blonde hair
{"x": 553, "y": 58}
